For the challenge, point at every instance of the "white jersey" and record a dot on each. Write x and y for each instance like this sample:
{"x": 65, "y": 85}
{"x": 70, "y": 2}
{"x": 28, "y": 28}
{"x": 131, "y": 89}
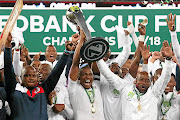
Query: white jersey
{"x": 81, "y": 103}
{"x": 62, "y": 98}
{"x": 110, "y": 96}
{"x": 130, "y": 103}
{"x": 174, "y": 109}
{"x": 112, "y": 99}
{"x": 152, "y": 67}
{"x": 175, "y": 45}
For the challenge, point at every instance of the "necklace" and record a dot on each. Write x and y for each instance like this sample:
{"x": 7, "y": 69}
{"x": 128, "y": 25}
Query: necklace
{"x": 91, "y": 99}
{"x": 167, "y": 105}
{"x": 138, "y": 97}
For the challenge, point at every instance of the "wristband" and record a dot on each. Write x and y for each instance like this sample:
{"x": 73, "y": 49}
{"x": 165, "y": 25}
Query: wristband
{"x": 68, "y": 52}
{"x": 141, "y": 38}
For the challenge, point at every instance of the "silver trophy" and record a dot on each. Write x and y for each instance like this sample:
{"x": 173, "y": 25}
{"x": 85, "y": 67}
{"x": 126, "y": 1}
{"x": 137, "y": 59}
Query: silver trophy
{"x": 94, "y": 48}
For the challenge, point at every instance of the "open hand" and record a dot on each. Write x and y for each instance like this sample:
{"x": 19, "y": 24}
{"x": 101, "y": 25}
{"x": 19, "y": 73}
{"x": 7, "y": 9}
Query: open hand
{"x": 24, "y": 50}
{"x": 171, "y": 22}
{"x": 145, "y": 52}
{"x": 166, "y": 49}
{"x": 156, "y": 55}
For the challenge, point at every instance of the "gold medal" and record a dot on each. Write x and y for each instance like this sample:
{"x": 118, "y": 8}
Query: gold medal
{"x": 139, "y": 106}
{"x": 93, "y": 110}
{"x": 163, "y": 118}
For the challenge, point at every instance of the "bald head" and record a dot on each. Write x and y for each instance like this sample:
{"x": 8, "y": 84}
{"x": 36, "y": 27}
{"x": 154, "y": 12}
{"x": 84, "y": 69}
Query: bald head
{"x": 29, "y": 77}
{"x": 143, "y": 82}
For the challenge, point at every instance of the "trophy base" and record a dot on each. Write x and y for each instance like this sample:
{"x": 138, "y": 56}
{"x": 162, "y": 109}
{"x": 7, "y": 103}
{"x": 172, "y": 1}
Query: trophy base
{"x": 94, "y": 49}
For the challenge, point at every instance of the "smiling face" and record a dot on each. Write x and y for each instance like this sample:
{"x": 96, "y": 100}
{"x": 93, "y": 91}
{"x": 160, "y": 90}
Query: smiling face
{"x": 51, "y": 53}
{"x": 143, "y": 82}
{"x": 29, "y": 77}
{"x": 86, "y": 77}
{"x": 43, "y": 72}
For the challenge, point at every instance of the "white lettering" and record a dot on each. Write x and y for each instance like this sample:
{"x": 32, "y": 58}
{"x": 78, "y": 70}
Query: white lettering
{"x": 112, "y": 41}
{"x": 55, "y": 41}
{"x": 36, "y": 26}
{"x": 137, "y": 18}
{"x": 3, "y": 23}
{"x": 25, "y": 21}
{"x": 103, "y": 23}
{"x": 63, "y": 41}
{"x": 46, "y": 43}
{"x": 65, "y": 23}
{"x": 120, "y": 22}
{"x": 130, "y": 18}
{"x": 52, "y": 19}
{"x": 177, "y": 23}
{"x": 158, "y": 23}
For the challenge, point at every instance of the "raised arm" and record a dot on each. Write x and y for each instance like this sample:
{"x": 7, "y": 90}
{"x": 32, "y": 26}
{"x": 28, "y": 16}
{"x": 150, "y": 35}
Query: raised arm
{"x": 132, "y": 32}
{"x": 120, "y": 59}
{"x": 160, "y": 85}
{"x": 117, "y": 82}
{"x": 123, "y": 56}
{"x": 75, "y": 38}
{"x": 25, "y": 53}
{"x": 174, "y": 40}
{"x": 16, "y": 63}
{"x": 10, "y": 78}
{"x": 74, "y": 72}
{"x": 137, "y": 57}
{"x": 51, "y": 81}
{"x": 145, "y": 54}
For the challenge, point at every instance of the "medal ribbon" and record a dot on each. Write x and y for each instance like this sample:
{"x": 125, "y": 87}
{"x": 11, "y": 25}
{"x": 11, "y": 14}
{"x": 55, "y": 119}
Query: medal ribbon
{"x": 89, "y": 95}
{"x": 138, "y": 93}
{"x": 168, "y": 106}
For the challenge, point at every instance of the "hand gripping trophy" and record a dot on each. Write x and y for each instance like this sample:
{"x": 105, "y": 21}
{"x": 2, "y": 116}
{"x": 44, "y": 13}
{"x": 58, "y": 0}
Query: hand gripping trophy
{"x": 95, "y": 47}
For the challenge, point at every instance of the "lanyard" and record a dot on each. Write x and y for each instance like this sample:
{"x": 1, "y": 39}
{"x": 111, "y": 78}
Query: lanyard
{"x": 90, "y": 93}
{"x": 138, "y": 93}
{"x": 168, "y": 105}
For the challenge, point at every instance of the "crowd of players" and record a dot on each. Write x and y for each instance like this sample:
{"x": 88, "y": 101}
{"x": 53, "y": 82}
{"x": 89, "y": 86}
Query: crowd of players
{"x": 141, "y": 88}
